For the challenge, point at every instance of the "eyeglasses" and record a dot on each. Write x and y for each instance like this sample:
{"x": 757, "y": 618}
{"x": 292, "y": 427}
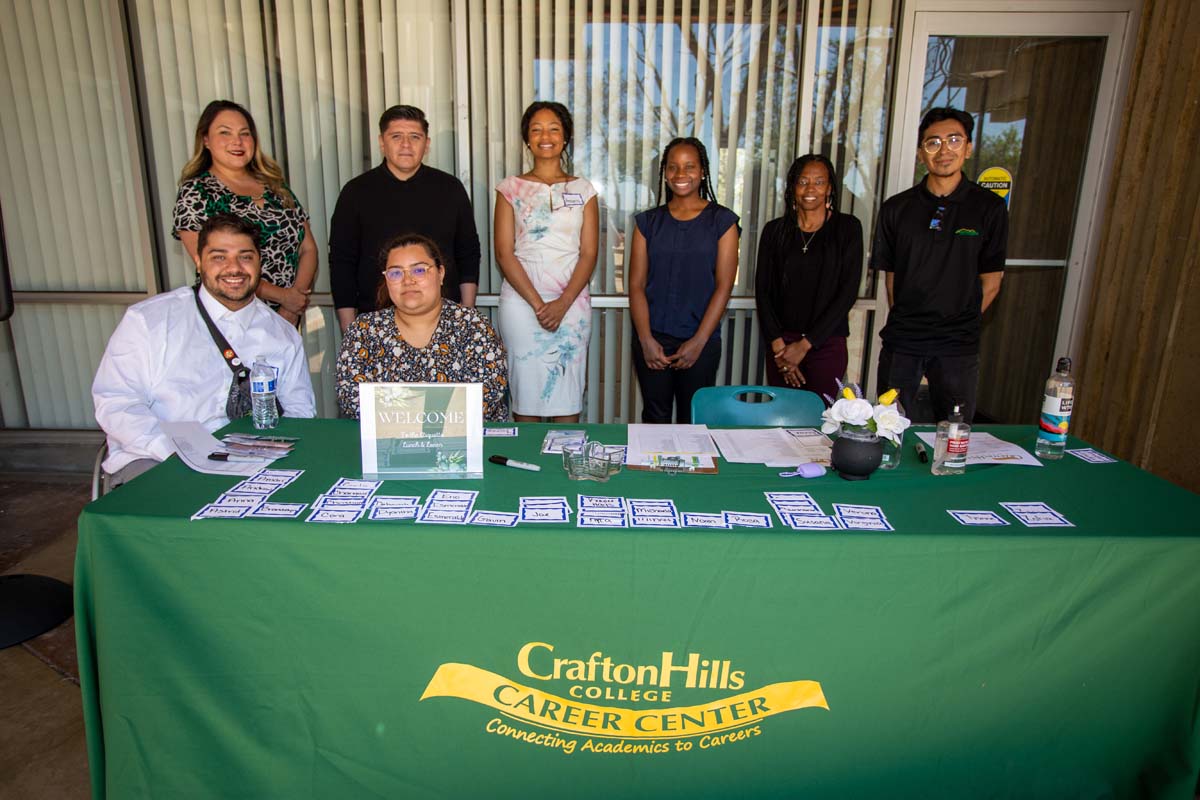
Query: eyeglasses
{"x": 953, "y": 142}
{"x": 935, "y": 224}
{"x": 415, "y": 271}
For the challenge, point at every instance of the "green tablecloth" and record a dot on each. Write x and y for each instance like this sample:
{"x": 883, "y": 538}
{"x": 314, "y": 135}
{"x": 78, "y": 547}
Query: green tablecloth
{"x": 264, "y": 658}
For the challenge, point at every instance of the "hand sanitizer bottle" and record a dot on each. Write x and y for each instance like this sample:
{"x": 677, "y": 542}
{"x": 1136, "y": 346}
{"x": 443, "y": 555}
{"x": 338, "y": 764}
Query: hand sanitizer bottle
{"x": 950, "y": 445}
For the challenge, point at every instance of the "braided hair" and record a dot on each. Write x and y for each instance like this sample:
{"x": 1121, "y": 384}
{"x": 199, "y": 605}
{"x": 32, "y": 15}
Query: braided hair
{"x": 706, "y": 186}
{"x": 789, "y": 226}
{"x": 790, "y": 210}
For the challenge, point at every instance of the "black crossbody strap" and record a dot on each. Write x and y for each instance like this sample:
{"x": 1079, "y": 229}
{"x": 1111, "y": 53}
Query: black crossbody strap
{"x": 241, "y": 372}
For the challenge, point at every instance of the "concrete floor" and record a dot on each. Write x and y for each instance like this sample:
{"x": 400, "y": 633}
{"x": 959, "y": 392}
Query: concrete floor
{"x": 43, "y": 753}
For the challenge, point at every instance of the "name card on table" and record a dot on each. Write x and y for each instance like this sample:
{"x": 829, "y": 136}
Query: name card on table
{"x": 418, "y": 431}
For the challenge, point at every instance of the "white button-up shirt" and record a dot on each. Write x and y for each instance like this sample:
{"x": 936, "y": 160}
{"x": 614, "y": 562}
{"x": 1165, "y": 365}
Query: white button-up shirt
{"x": 161, "y": 364}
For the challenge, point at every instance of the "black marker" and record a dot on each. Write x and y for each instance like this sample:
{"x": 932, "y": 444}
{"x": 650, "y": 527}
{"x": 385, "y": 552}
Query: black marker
{"x": 922, "y": 453}
{"x": 512, "y": 462}
{"x": 233, "y": 457}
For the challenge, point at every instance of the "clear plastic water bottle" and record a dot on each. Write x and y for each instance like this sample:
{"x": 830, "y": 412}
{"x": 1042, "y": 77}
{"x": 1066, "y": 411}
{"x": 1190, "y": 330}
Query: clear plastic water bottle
{"x": 950, "y": 445}
{"x": 262, "y": 394}
{"x": 1056, "y": 412}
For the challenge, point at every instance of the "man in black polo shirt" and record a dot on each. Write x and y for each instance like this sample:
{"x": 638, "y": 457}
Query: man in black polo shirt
{"x": 941, "y": 246}
{"x": 401, "y": 195}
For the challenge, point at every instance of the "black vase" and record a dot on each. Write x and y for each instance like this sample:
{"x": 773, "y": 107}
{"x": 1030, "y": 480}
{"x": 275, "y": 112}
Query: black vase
{"x": 856, "y": 454}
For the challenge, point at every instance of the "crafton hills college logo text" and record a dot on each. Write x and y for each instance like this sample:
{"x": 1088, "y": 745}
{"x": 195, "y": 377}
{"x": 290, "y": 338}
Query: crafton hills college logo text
{"x": 542, "y": 719}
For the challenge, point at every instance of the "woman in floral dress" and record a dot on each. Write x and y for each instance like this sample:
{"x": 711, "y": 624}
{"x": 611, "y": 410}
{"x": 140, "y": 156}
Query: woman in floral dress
{"x": 547, "y": 229}
{"x": 230, "y": 174}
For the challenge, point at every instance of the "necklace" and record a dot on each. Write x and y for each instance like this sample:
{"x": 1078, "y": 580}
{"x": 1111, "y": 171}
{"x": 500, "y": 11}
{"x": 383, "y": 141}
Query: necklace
{"x": 806, "y": 242}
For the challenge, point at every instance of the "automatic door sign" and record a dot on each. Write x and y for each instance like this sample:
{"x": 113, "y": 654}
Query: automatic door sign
{"x": 998, "y": 180}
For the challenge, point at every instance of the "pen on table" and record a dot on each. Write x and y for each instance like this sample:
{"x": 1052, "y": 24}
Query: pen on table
{"x": 232, "y": 457}
{"x": 922, "y": 453}
{"x": 512, "y": 462}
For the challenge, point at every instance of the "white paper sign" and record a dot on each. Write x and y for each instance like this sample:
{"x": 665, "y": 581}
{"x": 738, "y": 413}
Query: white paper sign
{"x": 421, "y": 431}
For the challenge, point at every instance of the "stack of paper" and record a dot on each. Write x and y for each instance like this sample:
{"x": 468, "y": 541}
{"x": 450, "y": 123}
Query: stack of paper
{"x": 985, "y": 448}
{"x": 774, "y": 447}
{"x": 649, "y": 443}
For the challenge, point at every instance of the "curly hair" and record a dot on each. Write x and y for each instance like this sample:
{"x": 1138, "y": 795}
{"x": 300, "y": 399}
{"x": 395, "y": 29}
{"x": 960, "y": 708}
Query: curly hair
{"x": 793, "y": 177}
{"x": 791, "y": 219}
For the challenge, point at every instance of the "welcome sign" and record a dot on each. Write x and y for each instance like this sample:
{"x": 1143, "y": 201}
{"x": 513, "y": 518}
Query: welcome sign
{"x": 421, "y": 430}
{"x": 593, "y": 712}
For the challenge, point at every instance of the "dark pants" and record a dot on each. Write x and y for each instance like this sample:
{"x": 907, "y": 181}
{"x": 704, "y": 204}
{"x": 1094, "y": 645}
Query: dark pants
{"x": 662, "y": 388}
{"x": 822, "y": 368}
{"x": 952, "y": 381}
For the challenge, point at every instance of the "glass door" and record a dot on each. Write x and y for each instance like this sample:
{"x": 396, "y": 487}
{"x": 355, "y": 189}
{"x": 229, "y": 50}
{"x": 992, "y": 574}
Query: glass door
{"x": 1041, "y": 88}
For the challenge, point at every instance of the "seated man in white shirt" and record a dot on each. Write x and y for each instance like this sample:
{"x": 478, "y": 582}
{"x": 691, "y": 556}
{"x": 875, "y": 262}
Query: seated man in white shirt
{"x": 163, "y": 363}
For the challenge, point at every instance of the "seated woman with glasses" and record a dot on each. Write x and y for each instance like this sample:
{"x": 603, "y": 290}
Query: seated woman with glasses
{"x": 417, "y": 336}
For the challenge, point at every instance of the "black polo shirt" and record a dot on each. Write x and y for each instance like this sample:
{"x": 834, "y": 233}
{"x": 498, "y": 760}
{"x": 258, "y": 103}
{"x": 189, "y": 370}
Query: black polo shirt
{"x": 936, "y": 289}
{"x": 377, "y": 206}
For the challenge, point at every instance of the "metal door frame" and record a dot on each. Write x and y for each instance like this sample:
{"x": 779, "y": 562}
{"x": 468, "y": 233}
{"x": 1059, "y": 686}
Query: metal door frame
{"x": 1115, "y": 20}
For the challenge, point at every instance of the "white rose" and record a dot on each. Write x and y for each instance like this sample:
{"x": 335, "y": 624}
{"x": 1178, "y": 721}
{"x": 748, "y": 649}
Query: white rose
{"x": 855, "y": 412}
{"x": 890, "y": 423}
{"x": 829, "y": 422}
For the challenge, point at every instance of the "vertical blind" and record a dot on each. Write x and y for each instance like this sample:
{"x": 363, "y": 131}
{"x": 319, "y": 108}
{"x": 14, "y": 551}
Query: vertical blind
{"x": 850, "y": 96}
{"x": 850, "y": 78}
{"x": 114, "y": 95}
{"x": 315, "y": 76}
{"x": 58, "y": 347}
{"x": 635, "y": 75}
{"x": 74, "y": 213}
{"x": 186, "y": 54}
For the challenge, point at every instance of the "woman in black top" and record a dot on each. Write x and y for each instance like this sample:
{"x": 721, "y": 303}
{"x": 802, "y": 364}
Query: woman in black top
{"x": 809, "y": 266}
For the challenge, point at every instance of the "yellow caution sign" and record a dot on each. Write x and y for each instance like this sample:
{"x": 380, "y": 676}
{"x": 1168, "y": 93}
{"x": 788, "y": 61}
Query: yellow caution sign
{"x": 998, "y": 180}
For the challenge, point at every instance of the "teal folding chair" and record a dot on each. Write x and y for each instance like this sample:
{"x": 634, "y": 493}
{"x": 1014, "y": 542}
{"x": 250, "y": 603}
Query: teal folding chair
{"x": 732, "y": 406}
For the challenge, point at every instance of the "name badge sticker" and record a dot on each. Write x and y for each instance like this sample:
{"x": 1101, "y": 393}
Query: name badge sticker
{"x": 571, "y": 199}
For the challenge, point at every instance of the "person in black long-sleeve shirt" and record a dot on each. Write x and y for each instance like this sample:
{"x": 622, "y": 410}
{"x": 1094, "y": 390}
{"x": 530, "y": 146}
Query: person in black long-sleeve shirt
{"x": 401, "y": 195}
{"x": 810, "y": 261}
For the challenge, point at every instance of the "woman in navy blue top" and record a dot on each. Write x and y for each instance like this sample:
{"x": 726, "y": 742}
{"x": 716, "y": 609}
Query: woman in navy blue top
{"x": 681, "y": 271}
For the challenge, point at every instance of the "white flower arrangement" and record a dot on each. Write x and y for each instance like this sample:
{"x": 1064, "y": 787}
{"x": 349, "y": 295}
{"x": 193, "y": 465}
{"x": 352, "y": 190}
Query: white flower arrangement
{"x": 851, "y": 411}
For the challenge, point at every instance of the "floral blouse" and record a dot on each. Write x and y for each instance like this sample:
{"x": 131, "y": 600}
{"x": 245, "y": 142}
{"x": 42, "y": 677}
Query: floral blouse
{"x": 280, "y": 229}
{"x": 464, "y": 348}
